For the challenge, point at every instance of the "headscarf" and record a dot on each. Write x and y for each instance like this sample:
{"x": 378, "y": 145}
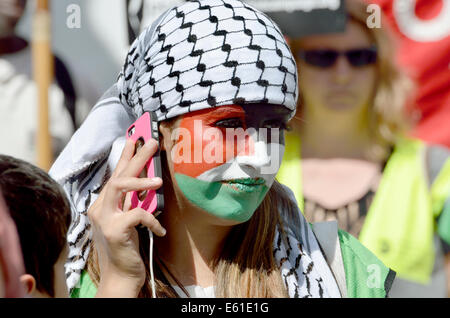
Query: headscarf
{"x": 199, "y": 55}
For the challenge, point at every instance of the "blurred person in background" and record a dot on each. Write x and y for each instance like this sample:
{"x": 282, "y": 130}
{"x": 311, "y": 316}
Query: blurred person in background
{"x": 348, "y": 158}
{"x": 18, "y": 93}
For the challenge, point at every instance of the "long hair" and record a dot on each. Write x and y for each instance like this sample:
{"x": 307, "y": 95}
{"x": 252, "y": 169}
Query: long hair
{"x": 388, "y": 118}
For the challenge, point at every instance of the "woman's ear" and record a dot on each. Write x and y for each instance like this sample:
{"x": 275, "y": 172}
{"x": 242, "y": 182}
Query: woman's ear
{"x": 162, "y": 132}
{"x": 28, "y": 282}
{"x": 165, "y": 134}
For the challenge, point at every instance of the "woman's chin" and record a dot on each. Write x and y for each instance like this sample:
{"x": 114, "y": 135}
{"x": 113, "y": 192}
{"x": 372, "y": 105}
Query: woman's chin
{"x": 340, "y": 105}
{"x": 220, "y": 220}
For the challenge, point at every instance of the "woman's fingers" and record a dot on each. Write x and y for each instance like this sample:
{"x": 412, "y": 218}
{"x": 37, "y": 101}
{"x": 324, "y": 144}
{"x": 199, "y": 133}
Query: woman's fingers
{"x": 118, "y": 187}
{"x": 139, "y": 216}
{"x": 126, "y": 202}
{"x": 137, "y": 163}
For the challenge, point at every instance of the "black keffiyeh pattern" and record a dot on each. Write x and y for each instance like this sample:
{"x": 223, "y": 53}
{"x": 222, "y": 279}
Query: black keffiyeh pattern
{"x": 206, "y": 54}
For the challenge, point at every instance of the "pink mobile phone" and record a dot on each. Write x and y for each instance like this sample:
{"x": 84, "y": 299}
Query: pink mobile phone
{"x": 141, "y": 131}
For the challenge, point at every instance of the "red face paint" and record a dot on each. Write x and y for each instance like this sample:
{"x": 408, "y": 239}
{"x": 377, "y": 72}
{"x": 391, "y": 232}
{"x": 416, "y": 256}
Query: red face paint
{"x": 206, "y": 130}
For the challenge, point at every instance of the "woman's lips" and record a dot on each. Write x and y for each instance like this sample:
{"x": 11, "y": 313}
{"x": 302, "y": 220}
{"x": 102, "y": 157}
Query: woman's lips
{"x": 246, "y": 181}
{"x": 246, "y": 184}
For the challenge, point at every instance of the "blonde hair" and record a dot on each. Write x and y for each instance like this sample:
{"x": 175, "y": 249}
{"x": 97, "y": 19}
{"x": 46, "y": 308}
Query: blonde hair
{"x": 388, "y": 117}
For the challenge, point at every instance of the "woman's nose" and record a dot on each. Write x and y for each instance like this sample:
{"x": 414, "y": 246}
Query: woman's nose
{"x": 257, "y": 158}
{"x": 342, "y": 71}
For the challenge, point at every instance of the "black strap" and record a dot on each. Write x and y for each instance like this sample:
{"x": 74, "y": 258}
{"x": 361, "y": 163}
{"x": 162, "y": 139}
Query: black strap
{"x": 389, "y": 281}
{"x": 64, "y": 81}
{"x": 133, "y": 31}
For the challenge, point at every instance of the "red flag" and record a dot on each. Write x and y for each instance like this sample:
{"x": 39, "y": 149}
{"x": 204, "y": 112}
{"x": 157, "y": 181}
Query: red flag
{"x": 423, "y": 29}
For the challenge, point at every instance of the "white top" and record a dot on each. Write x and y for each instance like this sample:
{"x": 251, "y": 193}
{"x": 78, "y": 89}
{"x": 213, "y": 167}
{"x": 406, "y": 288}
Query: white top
{"x": 196, "y": 291}
{"x": 19, "y": 113}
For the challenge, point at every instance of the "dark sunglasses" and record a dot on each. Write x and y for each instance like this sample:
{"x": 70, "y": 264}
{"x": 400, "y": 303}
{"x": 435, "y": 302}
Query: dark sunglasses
{"x": 327, "y": 58}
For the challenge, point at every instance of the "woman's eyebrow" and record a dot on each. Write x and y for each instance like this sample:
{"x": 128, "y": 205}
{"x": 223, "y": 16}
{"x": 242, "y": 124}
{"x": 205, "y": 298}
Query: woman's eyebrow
{"x": 225, "y": 111}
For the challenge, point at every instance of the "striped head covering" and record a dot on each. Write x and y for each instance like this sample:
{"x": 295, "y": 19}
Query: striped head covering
{"x": 199, "y": 55}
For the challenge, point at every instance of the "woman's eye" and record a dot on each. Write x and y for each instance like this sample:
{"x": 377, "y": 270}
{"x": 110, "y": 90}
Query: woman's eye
{"x": 230, "y": 123}
{"x": 276, "y": 124}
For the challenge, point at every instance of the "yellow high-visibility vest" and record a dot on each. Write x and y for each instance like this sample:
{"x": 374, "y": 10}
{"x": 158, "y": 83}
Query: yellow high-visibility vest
{"x": 401, "y": 221}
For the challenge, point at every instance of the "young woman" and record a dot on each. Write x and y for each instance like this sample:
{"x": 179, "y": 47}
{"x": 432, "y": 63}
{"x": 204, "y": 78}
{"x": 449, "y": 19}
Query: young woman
{"x": 354, "y": 164}
{"x": 208, "y": 69}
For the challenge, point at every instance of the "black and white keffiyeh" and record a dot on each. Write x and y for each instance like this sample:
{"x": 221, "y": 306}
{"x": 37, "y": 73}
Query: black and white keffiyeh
{"x": 303, "y": 267}
{"x": 202, "y": 54}
{"x": 205, "y": 54}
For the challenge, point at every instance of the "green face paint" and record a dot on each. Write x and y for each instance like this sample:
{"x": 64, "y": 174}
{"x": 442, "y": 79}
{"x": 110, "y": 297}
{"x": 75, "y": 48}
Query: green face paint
{"x": 231, "y": 201}
{"x": 234, "y": 186}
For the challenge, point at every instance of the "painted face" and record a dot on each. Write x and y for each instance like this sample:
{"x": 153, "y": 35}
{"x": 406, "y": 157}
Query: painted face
{"x": 225, "y": 159}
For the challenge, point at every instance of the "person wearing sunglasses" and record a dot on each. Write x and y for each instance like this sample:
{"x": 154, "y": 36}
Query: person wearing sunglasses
{"x": 348, "y": 156}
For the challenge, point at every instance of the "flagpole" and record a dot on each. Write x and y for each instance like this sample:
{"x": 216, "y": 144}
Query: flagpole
{"x": 43, "y": 76}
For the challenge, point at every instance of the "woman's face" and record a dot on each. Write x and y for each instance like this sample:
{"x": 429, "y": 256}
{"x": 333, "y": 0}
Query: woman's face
{"x": 340, "y": 86}
{"x": 224, "y": 160}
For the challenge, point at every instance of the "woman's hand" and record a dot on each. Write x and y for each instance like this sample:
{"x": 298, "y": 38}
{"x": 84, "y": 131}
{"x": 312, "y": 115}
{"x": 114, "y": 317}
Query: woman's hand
{"x": 122, "y": 271}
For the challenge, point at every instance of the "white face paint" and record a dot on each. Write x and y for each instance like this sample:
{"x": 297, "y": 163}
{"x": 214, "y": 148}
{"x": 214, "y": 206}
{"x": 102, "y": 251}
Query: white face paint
{"x": 263, "y": 164}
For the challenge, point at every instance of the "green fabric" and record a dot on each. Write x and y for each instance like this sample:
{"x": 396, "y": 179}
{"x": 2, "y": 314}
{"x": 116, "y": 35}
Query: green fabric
{"x": 444, "y": 223}
{"x": 366, "y": 276}
{"x": 403, "y": 197}
{"x": 440, "y": 193}
{"x": 87, "y": 288}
